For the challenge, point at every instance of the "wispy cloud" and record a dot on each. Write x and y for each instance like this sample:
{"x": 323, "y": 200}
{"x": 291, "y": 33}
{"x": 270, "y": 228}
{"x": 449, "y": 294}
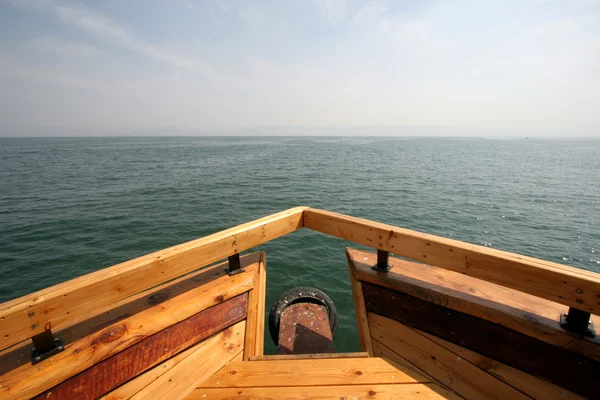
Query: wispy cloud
{"x": 15, "y": 69}
{"x": 327, "y": 62}
{"x": 63, "y": 48}
{"x": 253, "y": 15}
{"x": 373, "y": 9}
{"x": 552, "y": 27}
{"x": 29, "y": 4}
{"x": 104, "y": 28}
{"x": 415, "y": 35}
{"x": 225, "y": 6}
{"x": 334, "y": 10}
{"x": 100, "y": 26}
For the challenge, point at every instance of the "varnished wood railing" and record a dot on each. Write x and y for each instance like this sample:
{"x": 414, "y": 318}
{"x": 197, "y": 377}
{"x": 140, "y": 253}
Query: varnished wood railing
{"x": 68, "y": 303}
{"x": 71, "y": 302}
{"x": 556, "y": 282}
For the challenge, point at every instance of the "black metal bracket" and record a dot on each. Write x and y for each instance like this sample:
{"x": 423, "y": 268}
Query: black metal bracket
{"x": 45, "y": 345}
{"x": 578, "y": 321}
{"x": 383, "y": 258}
{"x": 235, "y": 266}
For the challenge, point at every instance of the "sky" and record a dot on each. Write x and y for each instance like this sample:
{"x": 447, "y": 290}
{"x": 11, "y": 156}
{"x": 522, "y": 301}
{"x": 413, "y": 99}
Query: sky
{"x": 483, "y": 68}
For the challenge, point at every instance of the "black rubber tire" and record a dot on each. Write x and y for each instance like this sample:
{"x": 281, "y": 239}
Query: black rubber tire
{"x": 301, "y": 295}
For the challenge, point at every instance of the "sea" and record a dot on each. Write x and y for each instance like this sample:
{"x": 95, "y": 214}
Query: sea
{"x": 70, "y": 206}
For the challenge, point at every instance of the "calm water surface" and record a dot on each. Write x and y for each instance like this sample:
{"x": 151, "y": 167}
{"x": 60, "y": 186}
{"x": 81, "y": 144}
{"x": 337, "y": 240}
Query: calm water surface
{"x": 73, "y": 206}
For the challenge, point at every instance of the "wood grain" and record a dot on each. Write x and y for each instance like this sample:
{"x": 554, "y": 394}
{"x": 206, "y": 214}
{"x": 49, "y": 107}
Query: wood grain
{"x": 120, "y": 368}
{"x": 516, "y": 310}
{"x": 21, "y": 354}
{"x": 135, "y": 385}
{"x": 66, "y": 304}
{"x": 565, "y": 285}
{"x": 255, "y": 327}
{"x": 183, "y": 378}
{"x": 343, "y": 371}
{"x": 380, "y": 350}
{"x": 530, "y": 385}
{"x": 259, "y": 342}
{"x": 462, "y": 377}
{"x": 362, "y": 325}
{"x": 559, "y": 366}
{"x": 130, "y": 388}
{"x": 29, "y": 380}
{"x": 371, "y": 392}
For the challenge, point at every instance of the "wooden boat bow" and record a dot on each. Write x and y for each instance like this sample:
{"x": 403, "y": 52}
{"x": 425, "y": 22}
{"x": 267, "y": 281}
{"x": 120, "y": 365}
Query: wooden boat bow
{"x": 461, "y": 320}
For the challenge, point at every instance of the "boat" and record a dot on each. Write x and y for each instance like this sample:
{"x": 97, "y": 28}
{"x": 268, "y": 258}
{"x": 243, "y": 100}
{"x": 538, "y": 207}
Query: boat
{"x": 437, "y": 319}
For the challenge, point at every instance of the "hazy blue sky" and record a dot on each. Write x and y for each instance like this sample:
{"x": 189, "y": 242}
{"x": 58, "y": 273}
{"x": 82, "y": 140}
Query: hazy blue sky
{"x": 529, "y": 67}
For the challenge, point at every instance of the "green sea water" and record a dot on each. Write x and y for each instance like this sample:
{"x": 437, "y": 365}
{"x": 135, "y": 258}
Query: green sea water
{"x": 70, "y": 206}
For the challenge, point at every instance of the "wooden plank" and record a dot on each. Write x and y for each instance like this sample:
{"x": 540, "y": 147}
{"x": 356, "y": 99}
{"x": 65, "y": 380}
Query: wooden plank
{"x": 341, "y": 371}
{"x": 316, "y": 356}
{"x": 28, "y": 380}
{"x": 461, "y": 376}
{"x": 380, "y": 350}
{"x": 362, "y": 325}
{"x": 103, "y": 377}
{"x": 130, "y": 388}
{"x": 371, "y": 392}
{"x": 559, "y": 366}
{"x": 71, "y": 302}
{"x": 238, "y": 358}
{"x": 304, "y": 329}
{"x": 530, "y": 385}
{"x": 516, "y": 310}
{"x": 21, "y": 354}
{"x": 259, "y": 343}
{"x": 182, "y": 379}
{"x": 251, "y": 322}
{"x": 255, "y": 327}
{"x": 565, "y": 285}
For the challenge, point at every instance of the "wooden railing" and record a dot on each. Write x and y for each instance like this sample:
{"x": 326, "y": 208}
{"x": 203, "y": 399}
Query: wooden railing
{"x": 556, "y": 282}
{"x": 71, "y": 302}
{"x": 68, "y": 303}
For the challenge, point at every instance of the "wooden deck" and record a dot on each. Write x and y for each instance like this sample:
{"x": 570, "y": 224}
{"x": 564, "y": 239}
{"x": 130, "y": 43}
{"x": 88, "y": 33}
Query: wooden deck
{"x": 318, "y": 378}
{"x": 463, "y": 321}
{"x": 278, "y": 377}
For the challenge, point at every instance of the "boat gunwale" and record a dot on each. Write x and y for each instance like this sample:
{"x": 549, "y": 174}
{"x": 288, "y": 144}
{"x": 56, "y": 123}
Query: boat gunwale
{"x": 556, "y": 282}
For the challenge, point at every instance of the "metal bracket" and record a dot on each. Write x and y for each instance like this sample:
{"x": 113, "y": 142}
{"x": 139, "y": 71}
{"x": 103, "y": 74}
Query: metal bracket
{"x": 383, "y": 264}
{"x": 45, "y": 345}
{"x": 578, "y": 321}
{"x": 235, "y": 266}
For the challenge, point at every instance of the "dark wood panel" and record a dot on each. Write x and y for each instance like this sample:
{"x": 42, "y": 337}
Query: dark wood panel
{"x": 530, "y": 385}
{"x": 118, "y": 369}
{"x": 559, "y": 366}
